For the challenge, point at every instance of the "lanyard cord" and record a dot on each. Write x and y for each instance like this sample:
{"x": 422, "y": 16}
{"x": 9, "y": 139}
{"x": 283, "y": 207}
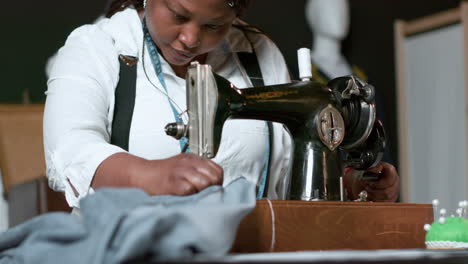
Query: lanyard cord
{"x": 154, "y": 55}
{"x": 263, "y": 180}
{"x": 157, "y": 88}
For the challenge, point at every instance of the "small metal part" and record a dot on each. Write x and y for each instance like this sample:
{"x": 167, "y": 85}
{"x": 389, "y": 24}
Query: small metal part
{"x": 359, "y": 88}
{"x": 128, "y": 60}
{"x": 202, "y": 102}
{"x": 362, "y": 197}
{"x": 341, "y": 189}
{"x": 368, "y": 92}
{"x": 184, "y": 149}
{"x": 315, "y": 196}
{"x": 351, "y": 89}
{"x": 331, "y": 128}
{"x": 176, "y": 130}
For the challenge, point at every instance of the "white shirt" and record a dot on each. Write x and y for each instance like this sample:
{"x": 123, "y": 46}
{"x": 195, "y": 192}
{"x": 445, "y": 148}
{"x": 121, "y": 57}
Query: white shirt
{"x": 80, "y": 104}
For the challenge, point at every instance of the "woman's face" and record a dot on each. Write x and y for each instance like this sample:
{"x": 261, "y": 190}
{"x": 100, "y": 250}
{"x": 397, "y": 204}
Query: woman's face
{"x": 185, "y": 29}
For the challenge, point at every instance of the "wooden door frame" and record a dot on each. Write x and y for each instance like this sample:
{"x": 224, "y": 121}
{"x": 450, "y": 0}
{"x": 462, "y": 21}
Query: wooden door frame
{"x": 403, "y": 29}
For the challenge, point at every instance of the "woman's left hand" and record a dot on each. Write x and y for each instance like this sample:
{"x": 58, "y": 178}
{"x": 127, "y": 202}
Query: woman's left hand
{"x": 385, "y": 189}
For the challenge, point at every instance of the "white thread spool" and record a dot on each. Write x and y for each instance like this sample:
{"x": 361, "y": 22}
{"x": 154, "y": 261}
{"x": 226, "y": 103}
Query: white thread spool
{"x": 305, "y": 64}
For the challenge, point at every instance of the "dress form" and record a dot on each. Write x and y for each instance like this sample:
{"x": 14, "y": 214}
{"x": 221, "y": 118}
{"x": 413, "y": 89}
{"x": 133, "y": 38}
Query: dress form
{"x": 329, "y": 22}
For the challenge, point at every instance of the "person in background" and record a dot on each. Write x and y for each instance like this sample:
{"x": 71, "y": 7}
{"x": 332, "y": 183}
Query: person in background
{"x": 161, "y": 38}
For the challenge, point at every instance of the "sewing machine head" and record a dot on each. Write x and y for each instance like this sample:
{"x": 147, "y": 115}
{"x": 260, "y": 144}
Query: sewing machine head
{"x": 332, "y": 126}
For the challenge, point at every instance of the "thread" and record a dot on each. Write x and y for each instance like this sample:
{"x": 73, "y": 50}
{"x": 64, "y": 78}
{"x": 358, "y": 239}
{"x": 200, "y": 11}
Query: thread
{"x": 273, "y": 229}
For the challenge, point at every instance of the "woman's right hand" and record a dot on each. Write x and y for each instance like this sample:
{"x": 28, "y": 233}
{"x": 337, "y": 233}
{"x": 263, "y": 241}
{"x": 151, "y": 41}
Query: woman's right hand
{"x": 182, "y": 174}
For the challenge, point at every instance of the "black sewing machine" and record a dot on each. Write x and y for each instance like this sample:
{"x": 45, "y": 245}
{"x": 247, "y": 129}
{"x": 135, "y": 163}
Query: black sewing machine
{"x": 332, "y": 126}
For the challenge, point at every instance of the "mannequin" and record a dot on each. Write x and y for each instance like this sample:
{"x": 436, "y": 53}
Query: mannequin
{"x": 329, "y": 21}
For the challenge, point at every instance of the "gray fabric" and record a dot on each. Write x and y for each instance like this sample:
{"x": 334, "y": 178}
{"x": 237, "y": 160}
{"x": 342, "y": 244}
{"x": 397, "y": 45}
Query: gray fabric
{"x": 118, "y": 225}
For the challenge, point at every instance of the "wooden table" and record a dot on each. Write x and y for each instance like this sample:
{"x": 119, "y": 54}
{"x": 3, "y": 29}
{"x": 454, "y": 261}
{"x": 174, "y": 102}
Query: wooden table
{"x": 300, "y": 225}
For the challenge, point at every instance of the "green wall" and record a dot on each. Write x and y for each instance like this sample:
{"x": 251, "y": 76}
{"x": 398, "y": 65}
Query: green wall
{"x": 31, "y": 32}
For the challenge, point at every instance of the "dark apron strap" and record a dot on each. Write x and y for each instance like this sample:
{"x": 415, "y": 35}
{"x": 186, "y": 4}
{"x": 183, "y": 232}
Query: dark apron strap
{"x": 125, "y": 93}
{"x": 250, "y": 62}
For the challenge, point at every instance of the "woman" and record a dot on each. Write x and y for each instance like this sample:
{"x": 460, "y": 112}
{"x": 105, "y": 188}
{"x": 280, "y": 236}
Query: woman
{"x": 163, "y": 36}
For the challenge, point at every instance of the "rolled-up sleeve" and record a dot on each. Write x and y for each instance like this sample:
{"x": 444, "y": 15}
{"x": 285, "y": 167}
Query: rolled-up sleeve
{"x": 78, "y": 111}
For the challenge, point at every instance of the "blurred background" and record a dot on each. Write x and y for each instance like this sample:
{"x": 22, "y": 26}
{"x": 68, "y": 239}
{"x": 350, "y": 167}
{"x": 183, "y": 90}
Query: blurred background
{"x": 32, "y": 31}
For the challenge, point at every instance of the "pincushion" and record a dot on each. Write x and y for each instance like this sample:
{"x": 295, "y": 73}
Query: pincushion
{"x": 448, "y": 232}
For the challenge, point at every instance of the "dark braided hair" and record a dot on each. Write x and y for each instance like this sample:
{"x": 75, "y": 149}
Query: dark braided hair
{"x": 118, "y": 5}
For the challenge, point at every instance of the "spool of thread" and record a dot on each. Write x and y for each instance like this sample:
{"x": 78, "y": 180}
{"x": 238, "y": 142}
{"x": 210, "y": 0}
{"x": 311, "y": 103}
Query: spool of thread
{"x": 305, "y": 65}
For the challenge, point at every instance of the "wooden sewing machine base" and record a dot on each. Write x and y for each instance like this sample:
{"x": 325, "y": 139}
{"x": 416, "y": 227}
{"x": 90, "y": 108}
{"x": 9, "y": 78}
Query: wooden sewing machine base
{"x": 301, "y": 225}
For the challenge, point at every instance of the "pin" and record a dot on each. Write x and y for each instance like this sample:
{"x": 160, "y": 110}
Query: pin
{"x": 463, "y": 205}
{"x": 435, "y": 203}
{"x": 443, "y": 212}
{"x": 442, "y": 220}
{"x": 427, "y": 227}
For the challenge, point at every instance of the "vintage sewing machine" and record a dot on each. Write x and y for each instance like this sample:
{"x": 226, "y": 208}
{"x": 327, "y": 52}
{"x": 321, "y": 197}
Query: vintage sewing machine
{"x": 332, "y": 126}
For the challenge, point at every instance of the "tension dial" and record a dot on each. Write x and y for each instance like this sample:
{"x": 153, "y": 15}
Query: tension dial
{"x": 331, "y": 128}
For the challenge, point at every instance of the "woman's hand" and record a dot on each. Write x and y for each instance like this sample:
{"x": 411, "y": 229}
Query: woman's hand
{"x": 386, "y": 189}
{"x": 182, "y": 174}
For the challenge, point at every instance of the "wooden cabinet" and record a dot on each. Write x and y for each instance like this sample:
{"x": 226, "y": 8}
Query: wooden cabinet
{"x": 280, "y": 226}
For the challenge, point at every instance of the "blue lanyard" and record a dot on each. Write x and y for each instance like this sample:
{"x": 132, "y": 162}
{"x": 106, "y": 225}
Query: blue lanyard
{"x": 154, "y": 55}
{"x": 262, "y": 186}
